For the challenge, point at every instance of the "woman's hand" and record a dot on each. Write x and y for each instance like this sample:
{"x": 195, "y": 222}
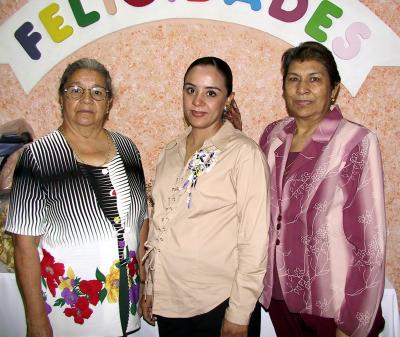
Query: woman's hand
{"x": 39, "y": 329}
{"x": 27, "y": 266}
{"x": 230, "y": 329}
{"x": 147, "y": 309}
{"x": 233, "y": 115}
{"x": 340, "y": 333}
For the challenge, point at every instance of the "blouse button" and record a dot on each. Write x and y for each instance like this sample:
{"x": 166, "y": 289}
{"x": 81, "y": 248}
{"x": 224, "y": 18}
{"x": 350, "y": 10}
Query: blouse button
{"x": 117, "y": 219}
{"x": 279, "y": 218}
{"x": 278, "y": 226}
{"x": 277, "y": 242}
{"x": 104, "y": 171}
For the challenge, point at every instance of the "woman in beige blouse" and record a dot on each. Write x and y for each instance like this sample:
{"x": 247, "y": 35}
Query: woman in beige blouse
{"x": 208, "y": 239}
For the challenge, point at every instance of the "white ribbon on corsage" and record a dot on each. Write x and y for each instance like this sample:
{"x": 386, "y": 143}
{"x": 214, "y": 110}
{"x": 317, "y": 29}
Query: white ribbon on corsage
{"x": 202, "y": 161}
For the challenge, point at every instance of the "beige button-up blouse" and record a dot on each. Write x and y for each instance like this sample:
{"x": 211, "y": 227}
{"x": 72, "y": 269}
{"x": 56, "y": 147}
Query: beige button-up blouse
{"x": 209, "y": 233}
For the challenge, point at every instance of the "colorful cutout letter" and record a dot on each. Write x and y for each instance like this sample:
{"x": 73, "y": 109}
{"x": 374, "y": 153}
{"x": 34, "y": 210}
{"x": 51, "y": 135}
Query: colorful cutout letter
{"x": 138, "y": 3}
{"x": 320, "y": 19}
{"x": 350, "y": 51}
{"x": 276, "y": 11}
{"x": 28, "y": 41}
{"x": 53, "y": 23}
{"x": 254, "y": 4}
{"x": 83, "y": 19}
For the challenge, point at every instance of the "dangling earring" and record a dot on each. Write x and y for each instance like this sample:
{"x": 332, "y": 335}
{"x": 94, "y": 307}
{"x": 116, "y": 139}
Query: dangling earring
{"x": 225, "y": 111}
{"x": 333, "y": 100}
{"x": 62, "y": 109}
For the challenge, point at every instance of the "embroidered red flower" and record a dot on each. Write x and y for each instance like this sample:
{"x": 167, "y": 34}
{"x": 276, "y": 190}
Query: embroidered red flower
{"x": 133, "y": 265}
{"x": 80, "y": 311}
{"x": 51, "y": 271}
{"x": 91, "y": 289}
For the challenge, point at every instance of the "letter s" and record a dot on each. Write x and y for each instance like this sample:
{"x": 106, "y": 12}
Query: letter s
{"x": 339, "y": 45}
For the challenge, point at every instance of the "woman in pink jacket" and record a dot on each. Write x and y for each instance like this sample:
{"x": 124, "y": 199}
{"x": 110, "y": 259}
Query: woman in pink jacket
{"x": 327, "y": 233}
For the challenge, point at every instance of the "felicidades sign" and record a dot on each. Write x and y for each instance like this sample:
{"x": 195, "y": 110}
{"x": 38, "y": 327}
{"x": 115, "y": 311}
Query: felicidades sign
{"x": 44, "y": 32}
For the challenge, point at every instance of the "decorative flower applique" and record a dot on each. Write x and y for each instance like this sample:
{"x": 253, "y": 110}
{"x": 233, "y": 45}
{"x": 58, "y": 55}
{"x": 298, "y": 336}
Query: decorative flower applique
{"x": 51, "y": 271}
{"x": 78, "y": 296}
{"x": 202, "y": 161}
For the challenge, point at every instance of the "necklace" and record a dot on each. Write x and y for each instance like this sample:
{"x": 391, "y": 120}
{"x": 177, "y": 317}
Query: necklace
{"x": 109, "y": 153}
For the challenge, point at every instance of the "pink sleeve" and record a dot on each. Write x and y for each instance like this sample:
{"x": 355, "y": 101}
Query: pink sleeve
{"x": 364, "y": 226}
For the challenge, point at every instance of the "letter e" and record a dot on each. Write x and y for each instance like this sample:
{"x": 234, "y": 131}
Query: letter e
{"x": 320, "y": 18}
{"x": 53, "y": 23}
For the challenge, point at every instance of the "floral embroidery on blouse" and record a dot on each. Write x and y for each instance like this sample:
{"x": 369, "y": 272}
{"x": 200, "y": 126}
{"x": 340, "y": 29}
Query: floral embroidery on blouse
{"x": 81, "y": 295}
{"x": 202, "y": 161}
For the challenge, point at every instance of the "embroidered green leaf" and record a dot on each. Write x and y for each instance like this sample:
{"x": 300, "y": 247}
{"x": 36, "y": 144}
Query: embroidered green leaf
{"x": 133, "y": 309}
{"x": 102, "y": 294}
{"x": 78, "y": 292}
{"x": 59, "y": 303}
{"x": 44, "y": 282}
{"x": 100, "y": 276}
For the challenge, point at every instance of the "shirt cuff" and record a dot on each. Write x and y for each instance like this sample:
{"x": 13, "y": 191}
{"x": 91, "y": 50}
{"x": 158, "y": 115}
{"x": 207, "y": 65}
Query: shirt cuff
{"x": 237, "y": 316}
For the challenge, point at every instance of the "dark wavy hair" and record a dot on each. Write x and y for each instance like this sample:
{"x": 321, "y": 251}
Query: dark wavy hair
{"x": 311, "y": 51}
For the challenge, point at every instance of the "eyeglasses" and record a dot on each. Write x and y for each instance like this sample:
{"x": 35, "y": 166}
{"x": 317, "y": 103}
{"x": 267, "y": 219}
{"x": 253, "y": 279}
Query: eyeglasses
{"x": 76, "y": 92}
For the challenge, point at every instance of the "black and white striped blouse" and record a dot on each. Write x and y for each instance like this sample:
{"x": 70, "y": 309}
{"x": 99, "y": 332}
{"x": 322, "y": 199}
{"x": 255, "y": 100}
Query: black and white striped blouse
{"x": 51, "y": 198}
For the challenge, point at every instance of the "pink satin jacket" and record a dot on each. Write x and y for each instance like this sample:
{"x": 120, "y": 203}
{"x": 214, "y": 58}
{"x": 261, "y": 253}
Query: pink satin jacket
{"x": 327, "y": 230}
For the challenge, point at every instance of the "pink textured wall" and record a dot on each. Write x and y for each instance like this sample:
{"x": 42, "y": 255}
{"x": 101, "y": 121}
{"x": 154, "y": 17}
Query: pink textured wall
{"x": 147, "y": 63}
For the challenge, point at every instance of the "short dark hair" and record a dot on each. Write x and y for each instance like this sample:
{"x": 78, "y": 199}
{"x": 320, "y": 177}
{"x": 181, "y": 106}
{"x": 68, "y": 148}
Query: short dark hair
{"x": 311, "y": 51}
{"x": 221, "y": 66}
{"x": 85, "y": 63}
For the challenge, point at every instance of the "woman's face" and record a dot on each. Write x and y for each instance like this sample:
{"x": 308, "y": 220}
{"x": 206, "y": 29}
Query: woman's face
{"x": 307, "y": 90}
{"x": 85, "y": 111}
{"x": 204, "y": 97}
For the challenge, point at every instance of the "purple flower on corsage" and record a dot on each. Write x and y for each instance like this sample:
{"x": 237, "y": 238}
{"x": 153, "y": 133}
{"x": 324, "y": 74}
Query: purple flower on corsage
{"x": 202, "y": 161}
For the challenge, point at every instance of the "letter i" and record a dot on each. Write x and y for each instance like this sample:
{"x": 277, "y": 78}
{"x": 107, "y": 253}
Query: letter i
{"x": 110, "y": 6}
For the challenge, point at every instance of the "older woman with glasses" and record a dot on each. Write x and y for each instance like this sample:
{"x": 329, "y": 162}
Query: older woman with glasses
{"x": 78, "y": 211}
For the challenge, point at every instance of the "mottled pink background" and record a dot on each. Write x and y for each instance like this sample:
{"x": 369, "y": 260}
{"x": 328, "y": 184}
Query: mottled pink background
{"x": 147, "y": 63}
